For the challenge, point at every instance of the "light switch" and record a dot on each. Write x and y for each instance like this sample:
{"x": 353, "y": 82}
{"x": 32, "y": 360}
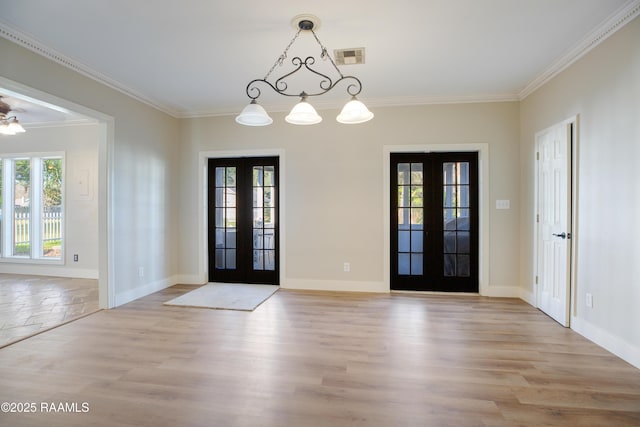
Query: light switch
{"x": 503, "y": 204}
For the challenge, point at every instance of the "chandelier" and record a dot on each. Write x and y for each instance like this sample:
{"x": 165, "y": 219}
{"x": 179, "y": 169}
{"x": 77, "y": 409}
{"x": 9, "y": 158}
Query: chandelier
{"x": 303, "y": 112}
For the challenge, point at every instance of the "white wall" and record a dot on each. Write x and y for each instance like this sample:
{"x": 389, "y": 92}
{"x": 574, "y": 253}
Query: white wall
{"x": 138, "y": 153}
{"x": 603, "y": 89}
{"x": 334, "y": 187}
{"x": 80, "y": 147}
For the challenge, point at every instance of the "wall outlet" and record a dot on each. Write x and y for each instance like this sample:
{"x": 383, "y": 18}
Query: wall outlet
{"x": 75, "y": 257}
{"x": 589, "y": 301}
{"x": 347, "y": 267}
{"x": 140, "y": 271}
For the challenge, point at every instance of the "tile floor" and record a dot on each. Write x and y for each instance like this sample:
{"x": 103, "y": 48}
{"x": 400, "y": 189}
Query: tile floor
{"x": 33, "y": 304}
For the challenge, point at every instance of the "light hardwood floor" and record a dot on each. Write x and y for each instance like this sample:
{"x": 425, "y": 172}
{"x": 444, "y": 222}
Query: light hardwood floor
{"x": 320, "y": 359}
{"x": 32, "y": 304}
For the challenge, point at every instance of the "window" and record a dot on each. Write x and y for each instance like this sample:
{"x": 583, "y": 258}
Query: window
{"x": 31, "y": 207}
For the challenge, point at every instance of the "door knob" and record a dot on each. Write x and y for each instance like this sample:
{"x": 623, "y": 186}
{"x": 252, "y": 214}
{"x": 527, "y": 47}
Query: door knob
{"x": 561, "y": 235}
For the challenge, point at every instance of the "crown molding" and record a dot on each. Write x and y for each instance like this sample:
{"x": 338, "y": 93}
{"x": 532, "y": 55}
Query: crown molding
{"x": 28, "y": 42}
{"x": 618, "y": 20}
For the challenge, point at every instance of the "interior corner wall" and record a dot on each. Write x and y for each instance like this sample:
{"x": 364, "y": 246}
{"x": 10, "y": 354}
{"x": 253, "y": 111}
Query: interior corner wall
{"x": 79, "y": 143}
{"x": 141, "y": 172}
{"x": 603, "y": 90}
{"x": 334, "y": 187}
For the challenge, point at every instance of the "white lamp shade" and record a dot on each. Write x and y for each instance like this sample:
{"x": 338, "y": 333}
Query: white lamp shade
{"x": 15, "y": 127}
{"x": 354, "y": 112}
{"x": 254, "y": 115}
{"x": 303, "y": 113}
{"x": 4, "y": 129}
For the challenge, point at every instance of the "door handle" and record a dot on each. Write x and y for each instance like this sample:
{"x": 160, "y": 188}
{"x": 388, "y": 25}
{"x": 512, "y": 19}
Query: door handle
{"x": 562, "y": 235}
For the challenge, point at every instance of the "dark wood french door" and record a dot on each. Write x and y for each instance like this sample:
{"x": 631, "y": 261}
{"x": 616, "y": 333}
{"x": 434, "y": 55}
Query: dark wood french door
{"x": 434, "y": 222}
{"x": 243, "y": 220}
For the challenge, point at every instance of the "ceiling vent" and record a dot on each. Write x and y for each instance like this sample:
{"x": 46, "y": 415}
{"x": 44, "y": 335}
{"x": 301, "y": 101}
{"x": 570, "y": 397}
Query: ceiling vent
{"x": 349, "y": 56}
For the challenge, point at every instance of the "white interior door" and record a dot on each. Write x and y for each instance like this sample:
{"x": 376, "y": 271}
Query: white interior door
{"x": 554, "y": 221}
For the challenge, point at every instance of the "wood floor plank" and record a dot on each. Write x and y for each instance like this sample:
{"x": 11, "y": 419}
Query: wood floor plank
{"x": 321, "y": 359}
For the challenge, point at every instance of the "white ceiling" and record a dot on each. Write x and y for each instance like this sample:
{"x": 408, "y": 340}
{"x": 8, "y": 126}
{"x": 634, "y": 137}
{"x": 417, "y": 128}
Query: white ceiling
{"x": 195, "y": 57}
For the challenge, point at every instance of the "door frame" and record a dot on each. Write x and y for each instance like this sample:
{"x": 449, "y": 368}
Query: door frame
{"x": 203, "y": 238}
{"x": 573, "y": 203}
{"x": 483, "y": 205}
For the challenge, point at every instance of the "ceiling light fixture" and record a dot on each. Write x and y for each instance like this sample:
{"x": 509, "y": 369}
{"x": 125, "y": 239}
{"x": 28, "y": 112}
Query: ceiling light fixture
{"x": 10, "y": 125}
{"x": 303, "y": 112}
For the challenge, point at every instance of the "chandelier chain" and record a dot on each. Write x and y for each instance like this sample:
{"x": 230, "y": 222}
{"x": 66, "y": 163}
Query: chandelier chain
{"x": 282, "y": 57}
{"x": 325, "y": 54}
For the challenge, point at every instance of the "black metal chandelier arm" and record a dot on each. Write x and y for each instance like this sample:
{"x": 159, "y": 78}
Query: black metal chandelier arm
{"x": 326, "y": 82}
{"x": 353, "y": 89}
{"x": 280, "y": 84}
{"x": 254, "y": 92}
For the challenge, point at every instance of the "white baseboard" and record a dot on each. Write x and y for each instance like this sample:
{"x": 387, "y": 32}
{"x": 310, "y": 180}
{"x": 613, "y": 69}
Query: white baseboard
{"x": 49, "y": 270}
{"x": 333, "y": 285}
{"x": 501, "y": 291}
{"x": 624, "y": 350}
{"x": 189, "y": 279}
{"x": 144, "y": 290}
{"x": 528, "y": 296}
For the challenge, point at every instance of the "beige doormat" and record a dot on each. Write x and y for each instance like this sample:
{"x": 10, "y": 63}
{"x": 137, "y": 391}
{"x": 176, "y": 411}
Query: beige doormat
{"x": 226, "y": 296}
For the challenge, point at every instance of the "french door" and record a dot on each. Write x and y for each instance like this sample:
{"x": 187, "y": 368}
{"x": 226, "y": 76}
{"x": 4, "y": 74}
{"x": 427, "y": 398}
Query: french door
{"x": 243, "y": 220}
{"x": 434, "y": 222}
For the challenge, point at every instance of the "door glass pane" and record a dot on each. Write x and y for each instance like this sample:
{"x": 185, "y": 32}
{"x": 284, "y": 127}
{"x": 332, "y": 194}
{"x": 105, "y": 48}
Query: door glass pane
{"x": 416, "y": 173}
{"x": 417, "y": 199}
{"x": 230, "y": 262}
{"x": 463, "y": 196}
{"x": 416, "y": 241}
{"x": 404, "y": 195}
{"x": 449, "y": 242}
{"x": 457, "y": 238}
{"x": 403, "y": 264}
{"x": 258, "y": 175}
{"x": 270, "y": 260}
{"x": 258, "y": 239}
{"x": 269, "y": 239}
{"x": 463, "y": 222}
{"x": 269, "y": 176}
{"x": 269, "y": 200}
{"x": 264, "y": 218}
{"x": 416, "y": 264}
{"x": 463, "y": 266}
{"x": 403, "y": 218}
{"x": 225, "y": 218}
{"x": 410, "y": 218}
{"x": 403, "y": 174}
{"x": 417, "y": 217}
{"x": 449, "y": 265}
{"x": 231, "y": 238}
{"x": 269, "y": 218}
{"x": 463, "y": 173}
{"x": 404, "y": 241}
{"x": 463, "y": 242}
{"x": 258, "y": 260}
{"x": 220, "y": 259}
{"x": 449, "y": 219}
